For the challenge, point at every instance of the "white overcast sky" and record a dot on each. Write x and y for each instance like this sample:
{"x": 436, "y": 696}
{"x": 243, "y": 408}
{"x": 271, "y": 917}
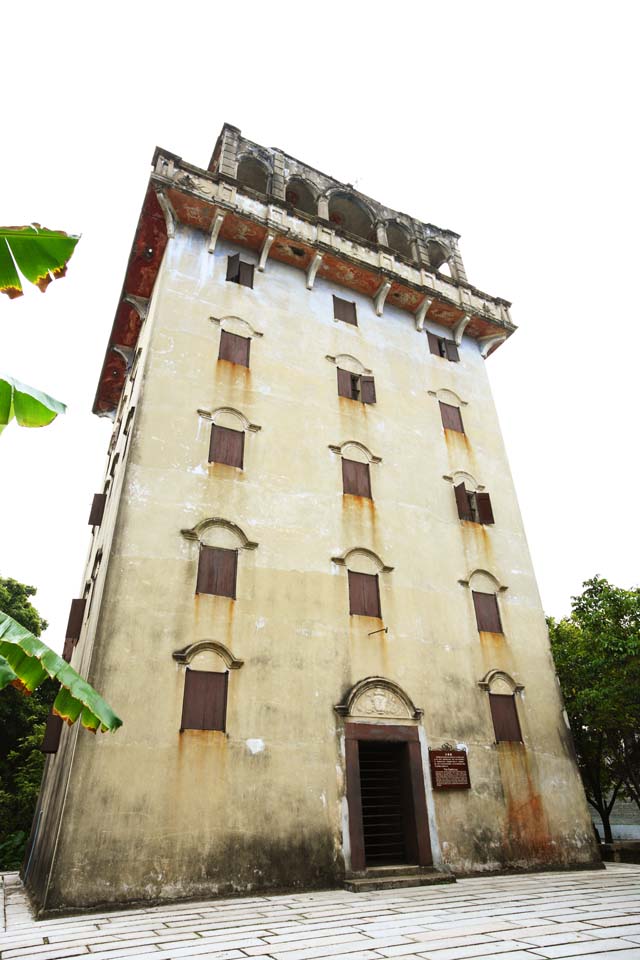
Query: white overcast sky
{"x": 514, "y": 124}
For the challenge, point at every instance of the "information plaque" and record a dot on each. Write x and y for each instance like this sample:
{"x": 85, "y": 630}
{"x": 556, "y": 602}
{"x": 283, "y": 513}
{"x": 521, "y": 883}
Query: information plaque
{"x": 449, "y": 770}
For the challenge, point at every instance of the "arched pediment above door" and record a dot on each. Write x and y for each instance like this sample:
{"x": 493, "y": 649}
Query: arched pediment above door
{"x": 377, "y": 698}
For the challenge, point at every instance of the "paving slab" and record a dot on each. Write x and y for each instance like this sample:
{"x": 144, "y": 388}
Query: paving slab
{"x": 583, "y": 914}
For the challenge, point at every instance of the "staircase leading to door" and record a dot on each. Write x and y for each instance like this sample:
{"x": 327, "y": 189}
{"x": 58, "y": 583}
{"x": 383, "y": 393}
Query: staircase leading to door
{"x": 388, "y": 878}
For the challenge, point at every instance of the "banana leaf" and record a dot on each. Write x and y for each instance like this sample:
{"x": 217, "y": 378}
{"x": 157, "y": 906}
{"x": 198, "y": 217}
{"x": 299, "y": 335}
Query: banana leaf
{"x": 40, "y": 255}
{"x": 30, "y": 407}
{"x": 25, "y": 661}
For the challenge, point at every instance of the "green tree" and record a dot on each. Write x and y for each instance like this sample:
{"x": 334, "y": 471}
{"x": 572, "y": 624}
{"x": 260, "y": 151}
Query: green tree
{"x": 597, "y": 656}
{"x": 22, "y": 721}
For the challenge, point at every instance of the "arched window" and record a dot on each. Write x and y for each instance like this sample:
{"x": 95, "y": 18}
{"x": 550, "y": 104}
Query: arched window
{"x": 206, "y": 684}
{"x": 484, "y": 591}
{"x": 300, "y": 196}
{"x": 363, "y": 567}
{"x": 219, "y": 542}
{"x": 503, "y": 693}
{"x": 253, "y": 174}
{"x": 398, "y": 240}
{"x": 350, "y": 215}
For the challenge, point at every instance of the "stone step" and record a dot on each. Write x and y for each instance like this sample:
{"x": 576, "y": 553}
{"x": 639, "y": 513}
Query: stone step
{"x": 397, "y": 877}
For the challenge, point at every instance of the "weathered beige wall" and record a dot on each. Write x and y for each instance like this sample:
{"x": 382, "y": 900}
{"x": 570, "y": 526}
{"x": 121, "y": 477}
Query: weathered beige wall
{"x": 151, "y": 812}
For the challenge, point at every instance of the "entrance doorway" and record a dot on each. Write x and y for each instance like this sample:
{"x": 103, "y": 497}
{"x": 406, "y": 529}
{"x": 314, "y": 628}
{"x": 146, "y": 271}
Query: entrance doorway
{"x": 388, "y": 823}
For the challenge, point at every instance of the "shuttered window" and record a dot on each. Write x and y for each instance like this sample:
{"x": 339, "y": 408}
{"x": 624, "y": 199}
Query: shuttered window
{"x": 483, "y": 506}
{"x": 233, "y": 348}
{"x": 364, "y": 594}
{"x": 239, "y": 272}
{"x": 76, "y": 616}
{"x": 217, "y": 570}
{"x": 356, "y": 478}
{"x": 52, "y": 732}
{"x": 473, "y": 506}
{"x": 463, "y": 502}
{"x": 442, "y": 347}
{"x": 226, "y": 446}
{"x": 204, "y": 706}
{"x": 505, "y": 717}
{"x": 344, "y": 310}
{"x": 356, "y": 386}
{"x": 451, "y": 417}
{"x": 97, "y": 509}
{"x": 487, "y": 612}
{"x": 367, "y": 390}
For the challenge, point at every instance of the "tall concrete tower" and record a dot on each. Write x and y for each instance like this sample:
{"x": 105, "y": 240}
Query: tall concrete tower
{"x": 309, "y": 593}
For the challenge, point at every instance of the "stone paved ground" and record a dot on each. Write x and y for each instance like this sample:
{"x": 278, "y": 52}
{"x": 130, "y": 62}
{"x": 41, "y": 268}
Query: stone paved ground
{"x": 593, "y": 914}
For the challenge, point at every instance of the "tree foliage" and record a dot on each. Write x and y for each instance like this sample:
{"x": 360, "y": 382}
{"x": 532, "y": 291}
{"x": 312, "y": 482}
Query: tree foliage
{"x": 22, "y": 721}
{"x": 597, "y": 655}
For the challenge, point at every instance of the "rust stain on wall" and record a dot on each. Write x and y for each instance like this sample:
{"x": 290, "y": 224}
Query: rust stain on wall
{"x": 526, "y": 828}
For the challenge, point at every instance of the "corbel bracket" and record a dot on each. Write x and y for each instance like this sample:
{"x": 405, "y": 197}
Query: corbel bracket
{"x": 264, "y": 253}
{"x": 487, "y": 344}
{"x": 313, "y": 269}
{"x": 380, "y": 297}
{"x": 421, "y": 313}
{"x": 215, "y": 232}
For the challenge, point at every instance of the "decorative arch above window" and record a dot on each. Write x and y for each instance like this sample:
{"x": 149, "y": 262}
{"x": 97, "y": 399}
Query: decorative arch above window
{"x": 229, "y": 417}
{"x": 497, "y": 681}
{"x": 448, "y": 396}
{"x": 237, "y": 325}
{"x": 218, "y": 531}
{"x": 186, "y": 654}
{"x": 354, "y": 450}
{"x": 362, "y": 559}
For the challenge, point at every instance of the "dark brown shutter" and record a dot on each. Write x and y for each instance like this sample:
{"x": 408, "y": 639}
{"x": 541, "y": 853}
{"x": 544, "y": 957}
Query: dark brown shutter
{"x": 52, "y": 731}
{"x": 344, "y": 310}
{"x": 371, "y": 595}
{"x": 76, "y": 616}
{"x": 245, "y": 276}
{"x": 67, "y": 650}
{"x": 504, "y": 714}
{"x": 204, "y": 706}
{"x": 434, "y": 344}
{"x": 487, "y": 612}
{"x": 226, "y": 446}
{"x": 451, "y": 417}
{"x": 485, "y": 513}
{"x": 367, "y": 390}
{"x": 344, "y": 383}
{"x": 462, "y": 501}
{"x": 364, "y": 597}
{"x": 217, "y": 569}
{"x": 233, "y": 267}
{"x": 451, "y": 350}
{"x": 206, "y": 576}
{"x": 97, "y": 509}
{"x": 356, "y": 478}
{"x": 233, "y": 348}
